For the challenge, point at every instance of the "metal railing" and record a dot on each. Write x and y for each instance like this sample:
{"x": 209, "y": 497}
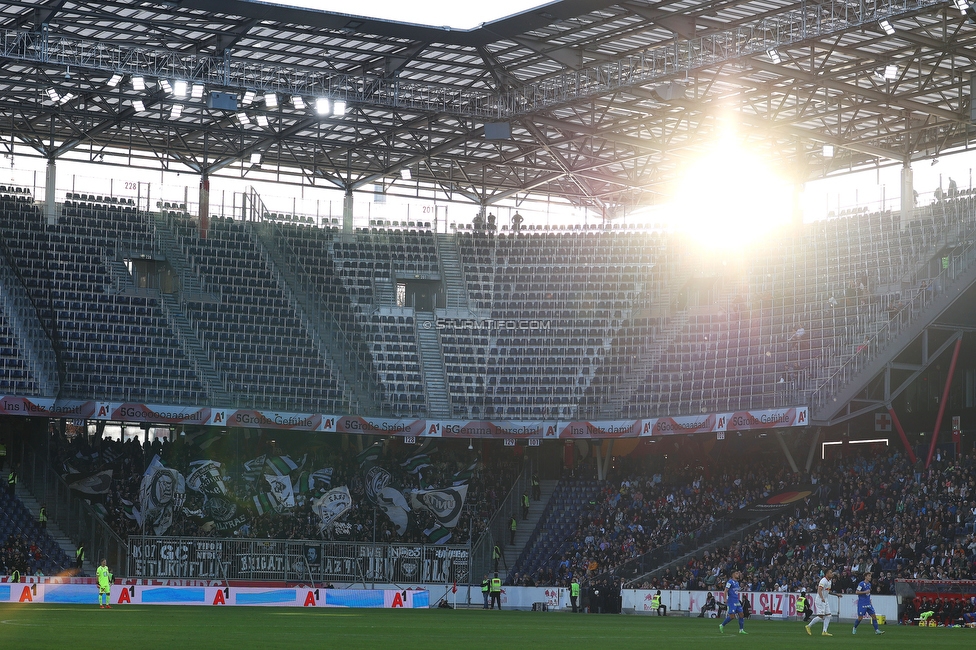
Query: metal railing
{"x": 905, "y": 313}
{"x": 698, "y": 541}
{"x": 295, "y": 560}
{"x": 68, "y": 509}
{"x": 498, "y": 529}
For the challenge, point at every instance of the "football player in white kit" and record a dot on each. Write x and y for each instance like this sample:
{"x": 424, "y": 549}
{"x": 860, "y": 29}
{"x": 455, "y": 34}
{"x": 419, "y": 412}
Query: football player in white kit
{"x": 822, "y": 607}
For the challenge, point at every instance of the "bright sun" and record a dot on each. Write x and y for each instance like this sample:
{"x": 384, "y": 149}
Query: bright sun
{"x": 729, "y": 197}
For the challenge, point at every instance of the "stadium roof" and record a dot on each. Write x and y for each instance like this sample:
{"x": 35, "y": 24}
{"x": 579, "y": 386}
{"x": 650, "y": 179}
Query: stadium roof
{"x": 596, "y": 101}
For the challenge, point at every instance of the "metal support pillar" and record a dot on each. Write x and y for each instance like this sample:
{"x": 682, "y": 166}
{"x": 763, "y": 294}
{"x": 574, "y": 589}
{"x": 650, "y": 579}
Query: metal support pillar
{"x": 907, "y": 194}
{"x": 347, "y": 205}
{"x": 599, "y": 461}
{"x": 204, "y": 206}
{"x": 901, "y": 434}
{"x": 606, "y": 460}
{"x": 945, "y": 400}
{"x": 813, "y": 449}
{"x": 786, "y": 451}
{"x": 51, "y": 180}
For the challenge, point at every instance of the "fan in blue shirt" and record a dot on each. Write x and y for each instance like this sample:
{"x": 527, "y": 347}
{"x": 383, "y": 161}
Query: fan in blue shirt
{"x": 864, "y": 606}
{"x": 733, "y": 600}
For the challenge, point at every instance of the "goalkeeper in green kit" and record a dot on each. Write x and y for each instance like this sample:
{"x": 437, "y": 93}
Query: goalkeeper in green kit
{"x": 105, "y": 579}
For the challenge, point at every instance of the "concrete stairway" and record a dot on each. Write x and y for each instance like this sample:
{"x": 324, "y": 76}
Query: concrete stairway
{"x": 191, "y": 344}
{"x": 384, "y": 292}
{"x": 457, "y": 290}
{"x": 52, "y": 529}
{"x": 432, "y": 366}
{"x": 526, "y": 527}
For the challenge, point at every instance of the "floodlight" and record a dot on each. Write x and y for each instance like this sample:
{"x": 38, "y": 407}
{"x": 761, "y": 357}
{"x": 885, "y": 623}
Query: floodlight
{"x": 176, "y": 111}
{"x": 255, "y": 158}
{"x": 138, "y": 105}
{"x": 114, "y": 80}
{"x": 197, "y": 91}
{"x": 180, "y": 88}
{"x": 248, "y": 98}
{"x": 298, "y": 102}
{"x": 67, "y": 98}
{"x": 53, "y": 94}
{"x": 828, "y": 151}
{"x": 138, "y": 83}
{"x": 243, "y": 118}
{"x": 886, "y": 26}
{"x": 339, "y": 108}
{"x": 166, "y": 85}
{"x": 890, "y": 72}
{"x": 962, "y": 6}
{"x": 405, "y": 174}
{"x": 271, "y": 100}
{"x": 322, "y": 106}
{"x": 262, "y": 120}
{"x": 774, "y": 55}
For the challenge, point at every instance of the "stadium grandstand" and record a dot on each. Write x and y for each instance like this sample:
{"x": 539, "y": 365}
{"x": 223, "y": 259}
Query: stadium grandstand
{"x": 334, "y": 299}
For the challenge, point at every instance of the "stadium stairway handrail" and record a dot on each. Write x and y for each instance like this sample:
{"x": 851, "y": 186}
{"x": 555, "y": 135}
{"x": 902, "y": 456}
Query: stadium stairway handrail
{"x": 957, "y": 268}
{"x": 69, "y": 510}
{"x": 480, "y": 563}
{"x": 278, "y": 248}
{"x": 723, "y": 533}
{"x": 637, "y": 567}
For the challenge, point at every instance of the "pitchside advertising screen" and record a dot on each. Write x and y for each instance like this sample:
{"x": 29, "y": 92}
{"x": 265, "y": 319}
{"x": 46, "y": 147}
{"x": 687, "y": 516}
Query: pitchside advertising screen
{"x": 195, "y": 558}
{"x": 797, "y": 416}
{"x": 217, "y": 596}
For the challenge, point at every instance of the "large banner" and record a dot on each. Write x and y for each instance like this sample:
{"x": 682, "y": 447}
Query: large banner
{"x": 775, "y": 503}
{"x": 295, "y": 560}
{"x": 445, "y": 503}
{"x": 121, "y": 595}
{"x": 797, "y": 416}
{"x": 779, "y": 604}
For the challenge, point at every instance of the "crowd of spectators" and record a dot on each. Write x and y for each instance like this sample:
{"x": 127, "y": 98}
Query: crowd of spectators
{"x": 18, "y": 555}
{"x": 868, "y": 512}
{"x": 129, "y": 460}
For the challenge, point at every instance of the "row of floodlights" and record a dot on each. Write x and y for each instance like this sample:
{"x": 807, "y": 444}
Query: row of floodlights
{"x": 181, "y": 89}
{"x": 889, "y": 73}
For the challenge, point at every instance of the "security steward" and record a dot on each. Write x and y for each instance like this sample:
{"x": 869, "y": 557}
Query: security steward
{"x": 574, "y": 593}
{"x": 485, "y": 589}
{"x": 513, "y": 525}
{"x": 657, "y": 605}
{"x": 803, "y": 607}
{"x": 496, "y": 592}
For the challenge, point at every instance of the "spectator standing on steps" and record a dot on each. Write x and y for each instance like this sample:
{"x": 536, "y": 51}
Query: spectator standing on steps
{"x": 516, "y": 222}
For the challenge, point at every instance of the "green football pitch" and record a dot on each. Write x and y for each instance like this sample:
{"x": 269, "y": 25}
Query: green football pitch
{"x": 75, "y": 627}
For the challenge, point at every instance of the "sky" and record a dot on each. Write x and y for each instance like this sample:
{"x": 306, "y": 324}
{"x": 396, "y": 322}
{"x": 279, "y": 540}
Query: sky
{"x": 461, "y": 15}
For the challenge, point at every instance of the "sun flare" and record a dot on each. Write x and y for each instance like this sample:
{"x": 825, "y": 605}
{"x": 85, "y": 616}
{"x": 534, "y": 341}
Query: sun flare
{"x": 729, "y": 197}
